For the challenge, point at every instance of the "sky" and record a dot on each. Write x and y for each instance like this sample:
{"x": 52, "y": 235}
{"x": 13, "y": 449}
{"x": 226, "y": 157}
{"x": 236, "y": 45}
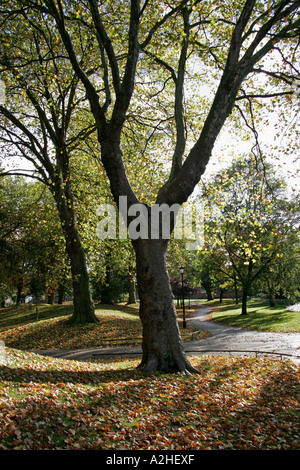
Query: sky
{"x": 287, "y": 164}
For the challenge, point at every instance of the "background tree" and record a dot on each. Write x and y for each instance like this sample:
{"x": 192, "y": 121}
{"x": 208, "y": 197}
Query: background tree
{"x": 282, "y": 278}
{"x": 249, "y": 31}
{"x": 250, "y": 218}
{"x": 41, "y": 121}
{"x": 31, "y": 242}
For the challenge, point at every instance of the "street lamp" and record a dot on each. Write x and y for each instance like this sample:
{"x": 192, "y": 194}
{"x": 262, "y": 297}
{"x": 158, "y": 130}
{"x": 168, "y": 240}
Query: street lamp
{"x": 181, "y": 269}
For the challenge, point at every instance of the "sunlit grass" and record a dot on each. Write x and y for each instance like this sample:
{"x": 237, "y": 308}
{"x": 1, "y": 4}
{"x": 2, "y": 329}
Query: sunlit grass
{"x": 49, "y": 328}
{"x": 54, "y": 404}
{"x": 260, "y": 316}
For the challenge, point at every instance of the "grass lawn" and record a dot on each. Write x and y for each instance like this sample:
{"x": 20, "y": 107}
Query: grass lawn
{"x": 259, "y": 317}
{"x": 235, "y": 403}
{"x": 46, "y": 403}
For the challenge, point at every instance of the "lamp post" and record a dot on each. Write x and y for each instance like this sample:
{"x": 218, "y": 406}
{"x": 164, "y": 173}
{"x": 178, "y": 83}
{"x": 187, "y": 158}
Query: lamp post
{"x": 183, "y": 309}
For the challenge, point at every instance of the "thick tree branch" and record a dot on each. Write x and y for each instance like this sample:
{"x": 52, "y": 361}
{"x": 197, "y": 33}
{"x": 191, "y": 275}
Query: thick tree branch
{"x": 179, "y": 96}
{"x": 105, "y": 42}
{"x": 91, "y": 92}
{"x": 159, "y": 23}
{"x": 236, "y": 38}
{"x": 234, "y": 73}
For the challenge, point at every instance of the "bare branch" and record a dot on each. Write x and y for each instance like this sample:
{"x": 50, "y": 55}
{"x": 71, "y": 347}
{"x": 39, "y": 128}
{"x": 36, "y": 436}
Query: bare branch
{"x": 159, "y": 23}
{"x": 90, "y": 89}
{"x": 105, "y": 42}
{"x": 264, "y": 95}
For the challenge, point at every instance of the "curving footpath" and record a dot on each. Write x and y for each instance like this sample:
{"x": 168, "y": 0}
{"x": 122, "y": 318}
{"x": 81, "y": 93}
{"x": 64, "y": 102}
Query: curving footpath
{"x": 239, "y": 341}
{"x": 223, "y": 340}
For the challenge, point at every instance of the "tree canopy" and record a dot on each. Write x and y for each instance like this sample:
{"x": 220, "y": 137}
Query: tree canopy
{"x": 250, "y": 221}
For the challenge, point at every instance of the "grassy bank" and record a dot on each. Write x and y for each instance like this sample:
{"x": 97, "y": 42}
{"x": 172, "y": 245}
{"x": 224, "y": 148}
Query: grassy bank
{"x": 260, "y": 316}
{"x": 235, "y": 403}
{"x": 49, "y": 328}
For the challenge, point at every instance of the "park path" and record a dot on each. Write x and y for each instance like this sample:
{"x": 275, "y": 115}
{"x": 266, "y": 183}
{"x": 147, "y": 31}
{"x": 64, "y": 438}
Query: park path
{"x": 237, "y": 340}
{"x": 223, "y": 339}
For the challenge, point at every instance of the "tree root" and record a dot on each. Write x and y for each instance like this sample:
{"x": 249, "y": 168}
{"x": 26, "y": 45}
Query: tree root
{"x": 182, "y": 366}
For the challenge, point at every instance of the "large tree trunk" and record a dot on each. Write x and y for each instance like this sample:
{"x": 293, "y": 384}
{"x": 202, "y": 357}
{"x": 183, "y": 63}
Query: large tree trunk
{"x": 162, "y": 345}
{"x": 84, "y": 311}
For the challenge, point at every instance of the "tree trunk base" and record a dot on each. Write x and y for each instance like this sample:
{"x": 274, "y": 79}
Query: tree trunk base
{"x": 162, "y": 344}
{"x": 80, "y": 318}
{"x": 155, "y": 365}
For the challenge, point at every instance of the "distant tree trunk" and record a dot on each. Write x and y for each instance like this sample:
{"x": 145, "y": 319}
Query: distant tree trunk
{"x": 162, "y": 345}
{"x": 84, "y": 311}
{"x": 271, "y": 292}
{"x": 244, "y": 300}
{"x": 19, "y": 293}
{"x": 208, "y": 293}
{"x": 247, "y": 283}
{"x": 236, "y": 295}
{"x": 61, "y": 293}
{"x": 106, "y": 296}
{"x": 131, "y": 289}
{"x": 51, "y": 298}
{"x": 206, "y": 283}
{"x": 271, "y": 298}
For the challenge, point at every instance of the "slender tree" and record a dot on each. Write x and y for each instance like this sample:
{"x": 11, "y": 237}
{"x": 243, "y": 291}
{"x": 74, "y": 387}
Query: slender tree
{"x": 31, "y": 241}
{"x": 40, "y": 122}
{"x": 250, "y": 219}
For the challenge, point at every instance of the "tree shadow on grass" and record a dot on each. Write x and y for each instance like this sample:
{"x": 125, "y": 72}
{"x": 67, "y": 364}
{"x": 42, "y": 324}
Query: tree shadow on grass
{"x": 25, "y": 314}
{"x": 60, "y": 334}
{"x": 184, "y": 409}
{"x": 25, "y": 376}
{"x": 254, "y": 320}
{"x": 259, "y": 316}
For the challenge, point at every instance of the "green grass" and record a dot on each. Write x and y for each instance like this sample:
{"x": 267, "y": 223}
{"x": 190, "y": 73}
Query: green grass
{"x": 260, "y": 316}
{"x": 55, "y": 404}
{"x": 118, "y": 326}
{"x": 234, "y": 403}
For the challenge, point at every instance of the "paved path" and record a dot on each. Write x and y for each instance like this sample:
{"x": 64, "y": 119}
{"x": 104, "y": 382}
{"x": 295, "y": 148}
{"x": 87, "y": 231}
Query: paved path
{"x": 238, "y": 340}
{"x": 223, "y": 338}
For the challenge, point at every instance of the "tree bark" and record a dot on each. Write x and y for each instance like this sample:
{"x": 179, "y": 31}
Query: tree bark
{"x": 271, "y": 298}
{"x": 131, "y": 289}
{"x": 61, "y": 293}
{"x": 244, "y": 301}
{"x": 84, "y": 311}
{"x": 236, "y": 294}
{"x": 51, "y": 298}
{"x": 162, "y": 345}
{"x": 19, "y": 293}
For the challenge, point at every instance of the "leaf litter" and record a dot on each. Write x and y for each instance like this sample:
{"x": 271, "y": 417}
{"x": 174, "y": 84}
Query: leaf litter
{"x": 235, "y": 403}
